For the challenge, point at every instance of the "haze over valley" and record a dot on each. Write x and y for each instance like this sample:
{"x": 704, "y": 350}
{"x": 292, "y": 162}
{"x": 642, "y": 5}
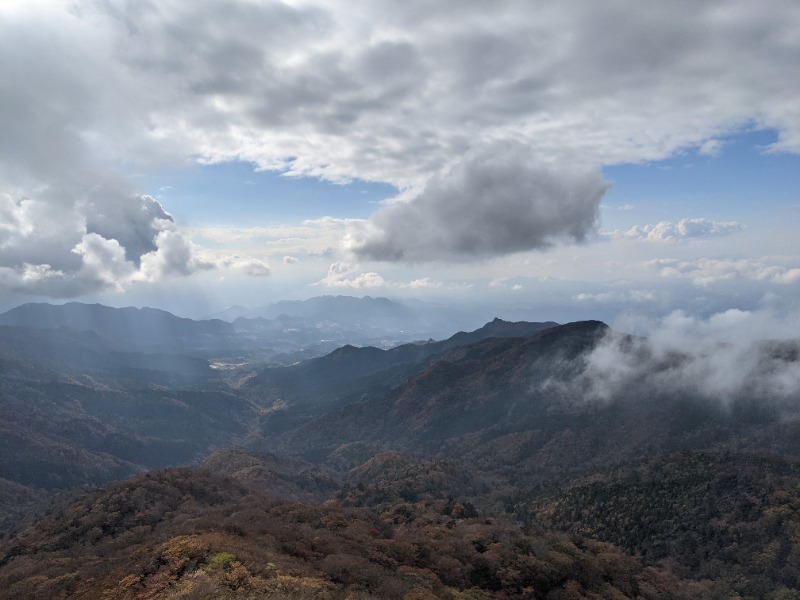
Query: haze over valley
{"x": 572, "y": 439}
{"x": 406, "y": 300}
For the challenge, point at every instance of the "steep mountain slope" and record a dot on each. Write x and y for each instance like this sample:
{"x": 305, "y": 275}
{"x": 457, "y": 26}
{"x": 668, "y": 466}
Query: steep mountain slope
{"x": 58, "y": 434}
{"x": 523, "y": 407}
{"x": 17, "y": 503}
{"x": 82, "y": 407}
{"x": 349, "y": 373}
{"x": 78, "y": 407}
{"x": 86, "y": 352}
{"x": 465, "y": 389}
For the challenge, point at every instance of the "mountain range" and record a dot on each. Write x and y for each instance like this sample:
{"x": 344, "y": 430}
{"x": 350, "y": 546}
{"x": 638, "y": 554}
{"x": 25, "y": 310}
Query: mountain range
{"x": 481, "y": 465}
{"x": 292, "y": 331}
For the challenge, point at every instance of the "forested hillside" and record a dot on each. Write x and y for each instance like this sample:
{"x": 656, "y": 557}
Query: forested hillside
{"x": 188, "y": 534}
{"x": 496, "y": 463}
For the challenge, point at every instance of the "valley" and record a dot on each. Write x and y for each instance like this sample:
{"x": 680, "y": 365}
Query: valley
{"x": 147, "y": 456}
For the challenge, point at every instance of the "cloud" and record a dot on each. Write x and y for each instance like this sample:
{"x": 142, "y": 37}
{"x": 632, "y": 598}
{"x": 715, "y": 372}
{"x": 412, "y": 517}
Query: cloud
{"x": 351, "y": 276}
{"x": 103, "y": 262}
{"x": 622, "y": 296}
{"x": 174, "y": 256}
{"x": 316, "y": 89}
{"x": 71, "y": 226}
{"x": 504, "y": 283}
{"x": 65, "y": 243}
{"x": 386, "y": 91}
{"x": 290, "y": 260}
{"x": 253, "y": 267}
{"x": 491, "y": 203}
{"x": 785, "y": 276}
{"x": 134, "y": 222}
{"x": 711, "y": 147}
{"x": 682, "y": 230}
{"x": 425, "y": 283}
{"x": 707, "y": 271}
{"x": 343, "y": 275}
{"x": 39, "y": 279}
{"x": 247, "y": 265}
{"x": 731, "y": 355}
{"x": 498, "y": 282}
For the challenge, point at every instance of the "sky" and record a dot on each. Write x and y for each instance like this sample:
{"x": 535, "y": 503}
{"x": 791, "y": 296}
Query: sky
{"x": 573, "y": 159}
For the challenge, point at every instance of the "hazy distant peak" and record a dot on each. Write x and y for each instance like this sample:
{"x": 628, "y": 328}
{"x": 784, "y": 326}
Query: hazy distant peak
{"x": 337, "y": 308}
{"x": 149, "y": 326}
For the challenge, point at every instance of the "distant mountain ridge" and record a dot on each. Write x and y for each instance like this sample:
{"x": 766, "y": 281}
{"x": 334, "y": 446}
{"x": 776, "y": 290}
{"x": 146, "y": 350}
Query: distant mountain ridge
{"x": 316, "y": 327}
{"x": 336, "y": 308}
{"x": 461, "y": 440}
{"x": 141, "y": 326}
{"x": 318, "y": 383}
{"x": 406, "y": 319}
{"x": 86, "y": 352}
{"x": 286, "y": 333}
{"x": 447, "y": 389}
{"x": 116, "y": 407}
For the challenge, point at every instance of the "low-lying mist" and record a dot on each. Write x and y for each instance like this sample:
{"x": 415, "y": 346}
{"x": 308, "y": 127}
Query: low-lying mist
{"x": 733, "y": 356}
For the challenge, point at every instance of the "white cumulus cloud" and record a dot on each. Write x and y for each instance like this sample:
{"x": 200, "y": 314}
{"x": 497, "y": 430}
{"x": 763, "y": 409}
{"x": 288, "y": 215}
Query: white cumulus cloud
{"x": 343, "y": 275}
{"x": 685, "y": 229}
{"x": 707, "y": 271}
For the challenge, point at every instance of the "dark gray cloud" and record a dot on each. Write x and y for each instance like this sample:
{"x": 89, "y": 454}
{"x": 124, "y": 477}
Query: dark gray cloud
{"x": 392, "y": 92}
{"x": 493, "y": 202}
